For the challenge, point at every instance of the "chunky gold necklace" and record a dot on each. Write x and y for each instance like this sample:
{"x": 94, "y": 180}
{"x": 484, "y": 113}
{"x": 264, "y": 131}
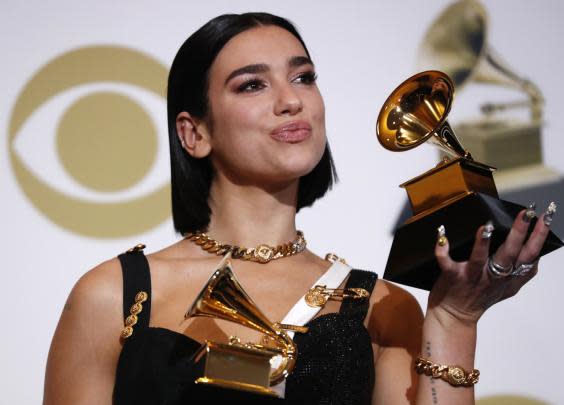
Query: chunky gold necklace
{"x": 262, "y": 253}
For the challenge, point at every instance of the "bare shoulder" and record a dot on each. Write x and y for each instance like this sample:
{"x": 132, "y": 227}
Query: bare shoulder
{"x": 94, "y": 307}
{"x": 385, "y": 290}
{"x": 93, "y": 310}
{"x": 101, "y": 289}
{"x": 395, "y": 316}
{"x": 179, "y": 252}
{"x": 85, "y": 347}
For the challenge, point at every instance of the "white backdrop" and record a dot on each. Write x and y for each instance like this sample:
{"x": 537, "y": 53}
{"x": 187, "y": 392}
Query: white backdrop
{"x": 362, "y": 51}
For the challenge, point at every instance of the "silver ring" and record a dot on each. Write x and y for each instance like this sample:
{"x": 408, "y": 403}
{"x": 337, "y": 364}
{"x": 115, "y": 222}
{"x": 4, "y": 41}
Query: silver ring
{"x": 524, "y": 268}
{"x": 497, "y": 270}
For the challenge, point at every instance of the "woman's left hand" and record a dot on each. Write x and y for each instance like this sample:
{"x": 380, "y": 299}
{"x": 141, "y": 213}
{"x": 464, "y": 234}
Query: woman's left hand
{"x": 465, "y": 290}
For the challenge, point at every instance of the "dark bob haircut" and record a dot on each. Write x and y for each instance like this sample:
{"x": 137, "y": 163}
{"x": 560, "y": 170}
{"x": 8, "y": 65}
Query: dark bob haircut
{"x": 187, "y": 91}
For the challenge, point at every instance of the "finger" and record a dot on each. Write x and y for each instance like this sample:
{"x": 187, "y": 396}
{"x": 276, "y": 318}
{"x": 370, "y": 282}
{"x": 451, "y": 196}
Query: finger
{"x": 532, "y": 248}
{"x": 509, "y": 251}
{"x": 480, "y": 251}
{"x": 441, "y": 251}
{"x": 526, "y": 275}
{"x": 516, "y": 281}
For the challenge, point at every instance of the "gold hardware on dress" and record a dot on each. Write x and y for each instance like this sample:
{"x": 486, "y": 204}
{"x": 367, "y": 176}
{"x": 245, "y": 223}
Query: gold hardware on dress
{"x": 262, "y": 253}
{"x": 332, "y": 257}
{"x": 135, "y": 310}
{"x": 319, "y": 295}
{"x": 137, "y": 248}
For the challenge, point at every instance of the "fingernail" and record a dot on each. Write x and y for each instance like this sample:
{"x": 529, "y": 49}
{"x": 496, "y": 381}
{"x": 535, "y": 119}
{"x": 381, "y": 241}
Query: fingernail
{"x": 441, "y": 236}
{"x": 530, "y": 213}
{"x": 488, "y": 229}
{"x": 549, "y": 213}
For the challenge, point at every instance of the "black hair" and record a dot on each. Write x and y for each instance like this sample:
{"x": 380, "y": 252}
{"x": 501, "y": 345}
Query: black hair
{"x": 187, "y": 91}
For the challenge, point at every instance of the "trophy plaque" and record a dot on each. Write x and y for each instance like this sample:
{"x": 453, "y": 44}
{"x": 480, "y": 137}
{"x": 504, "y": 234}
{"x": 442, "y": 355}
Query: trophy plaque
{"x": 459, "y": 193}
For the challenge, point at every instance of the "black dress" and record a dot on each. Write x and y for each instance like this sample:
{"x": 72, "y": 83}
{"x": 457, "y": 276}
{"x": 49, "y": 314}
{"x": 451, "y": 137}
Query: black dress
{"x": 334, "y": 366}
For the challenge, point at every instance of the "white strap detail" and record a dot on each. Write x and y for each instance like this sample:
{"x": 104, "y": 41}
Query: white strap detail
{"x": 301, "y": 313}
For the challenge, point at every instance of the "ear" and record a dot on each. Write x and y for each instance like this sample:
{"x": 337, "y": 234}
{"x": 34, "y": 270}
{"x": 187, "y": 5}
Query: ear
{"x": 193, "y": 134}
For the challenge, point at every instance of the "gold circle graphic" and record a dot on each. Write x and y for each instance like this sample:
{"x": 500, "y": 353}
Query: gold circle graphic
{"x": 91, "y": 218}
{"x": 510, "y": 400}
{"x": 95, "y": 136}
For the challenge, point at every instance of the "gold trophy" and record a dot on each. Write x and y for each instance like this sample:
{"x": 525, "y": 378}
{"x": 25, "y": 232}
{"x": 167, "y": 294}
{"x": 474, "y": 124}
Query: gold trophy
{"x": 236, "y": 365}
{"x": 457, "y": 44}
{"x": 458, "y": 193}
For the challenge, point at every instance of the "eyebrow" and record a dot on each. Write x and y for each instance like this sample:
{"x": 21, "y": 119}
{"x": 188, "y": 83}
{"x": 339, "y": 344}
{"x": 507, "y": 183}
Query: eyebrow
{"x": 293, "y": 62}
{"x": 298, "y": 61}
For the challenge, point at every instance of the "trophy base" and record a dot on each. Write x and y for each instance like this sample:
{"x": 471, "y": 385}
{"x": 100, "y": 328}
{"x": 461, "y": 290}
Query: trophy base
{"x": 234, "y": 367}
{"x": 412, "y": 260}
{"x": 214, "y": 394}
{"x": 446, "y": 183}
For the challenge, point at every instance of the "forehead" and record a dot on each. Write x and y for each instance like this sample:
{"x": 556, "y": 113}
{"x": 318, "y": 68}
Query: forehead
{"x": 270, "y": 45}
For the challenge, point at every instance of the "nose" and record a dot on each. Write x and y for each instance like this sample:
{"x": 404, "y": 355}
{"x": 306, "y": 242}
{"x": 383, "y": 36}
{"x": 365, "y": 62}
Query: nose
{"x": 288, "y": 101}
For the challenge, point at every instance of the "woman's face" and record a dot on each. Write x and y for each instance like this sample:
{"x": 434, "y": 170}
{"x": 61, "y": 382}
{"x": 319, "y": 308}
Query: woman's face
{"x": 267, "y": 118}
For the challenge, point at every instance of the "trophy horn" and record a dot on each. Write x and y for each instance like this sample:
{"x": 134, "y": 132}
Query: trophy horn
{"x": 456, "y": 43}
{"x": 223, "y": 297}
{"x": 416, "y": 112}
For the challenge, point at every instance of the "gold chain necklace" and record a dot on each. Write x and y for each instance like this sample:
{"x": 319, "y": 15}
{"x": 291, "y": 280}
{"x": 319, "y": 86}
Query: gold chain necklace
{"x": 262, "y": 253}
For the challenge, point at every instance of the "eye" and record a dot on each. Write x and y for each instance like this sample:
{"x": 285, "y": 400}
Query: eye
{"x": 87, "y": 151}
{"x": 56, "y": 141}
{"x": 307, "y": 78}
{"x": 251, "y": 86}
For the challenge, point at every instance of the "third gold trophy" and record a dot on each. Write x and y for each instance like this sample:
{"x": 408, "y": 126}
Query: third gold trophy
{"x": 459, "y": 193}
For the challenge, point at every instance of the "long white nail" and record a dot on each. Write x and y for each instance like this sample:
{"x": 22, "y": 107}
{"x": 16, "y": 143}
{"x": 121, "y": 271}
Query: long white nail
{"x": 441, "y": 236}
{"x": 488, "y": 230}
{"x": 530, "y": 213}
{"x": 549, "y": 213}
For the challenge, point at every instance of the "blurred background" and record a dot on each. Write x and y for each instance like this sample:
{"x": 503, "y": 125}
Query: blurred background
{"x": 84, "y": 168}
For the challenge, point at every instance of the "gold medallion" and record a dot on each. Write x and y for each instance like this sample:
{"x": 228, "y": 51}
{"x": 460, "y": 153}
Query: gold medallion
{"x": 263, "y": 253}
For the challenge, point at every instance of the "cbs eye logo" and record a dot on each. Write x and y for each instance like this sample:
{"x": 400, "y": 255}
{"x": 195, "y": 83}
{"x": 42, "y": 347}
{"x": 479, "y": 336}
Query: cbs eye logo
{"x": 510, "y": 400}
{"x": 84, "y": 144}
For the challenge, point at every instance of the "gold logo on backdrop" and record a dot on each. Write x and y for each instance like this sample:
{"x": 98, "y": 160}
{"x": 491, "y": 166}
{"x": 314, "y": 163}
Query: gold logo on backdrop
{"x": 105, "y": 141}
{"x": 510, "y": 400}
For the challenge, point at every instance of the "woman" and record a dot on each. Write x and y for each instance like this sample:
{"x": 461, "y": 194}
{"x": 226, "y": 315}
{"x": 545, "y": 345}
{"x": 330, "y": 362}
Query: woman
{"x": 248, "y": 150}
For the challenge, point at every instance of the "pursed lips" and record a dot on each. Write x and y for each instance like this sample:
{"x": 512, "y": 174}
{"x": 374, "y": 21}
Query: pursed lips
{"x": 292, "y": 132}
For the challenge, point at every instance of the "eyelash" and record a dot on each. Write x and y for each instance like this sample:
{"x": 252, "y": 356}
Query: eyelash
{"x": 245, "y": 87}
{"x": 307, "y": 78}
{"x": 252, "y": 85}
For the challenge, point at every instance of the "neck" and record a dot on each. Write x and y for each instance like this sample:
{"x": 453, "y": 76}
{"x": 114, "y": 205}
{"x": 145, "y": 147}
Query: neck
{"x": 248, "y": 215}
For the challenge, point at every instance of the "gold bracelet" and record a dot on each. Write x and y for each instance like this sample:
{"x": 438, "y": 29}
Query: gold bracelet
{"x": 454, "y": 375}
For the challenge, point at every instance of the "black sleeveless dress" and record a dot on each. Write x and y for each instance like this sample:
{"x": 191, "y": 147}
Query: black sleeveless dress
{"x": 335, "y": 363}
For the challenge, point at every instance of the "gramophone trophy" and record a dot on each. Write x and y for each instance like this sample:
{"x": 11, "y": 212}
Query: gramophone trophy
{"x": 236, "y": 365}
{"x": 458, "y": 193}
{"x": 457, "y": 44}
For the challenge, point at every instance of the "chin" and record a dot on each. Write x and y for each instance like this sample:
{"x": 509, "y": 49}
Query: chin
{"x": 295, "y": 168}
{"x": 303, "y": 157}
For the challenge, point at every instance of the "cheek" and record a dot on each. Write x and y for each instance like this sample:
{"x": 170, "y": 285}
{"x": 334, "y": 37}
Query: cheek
{"x": 318, "y": 110}
{"x": 320, "y": 149}
{"x": 318, "y": 116}
{"x": 238, "y": 120}
{"x": 236, "y": 135}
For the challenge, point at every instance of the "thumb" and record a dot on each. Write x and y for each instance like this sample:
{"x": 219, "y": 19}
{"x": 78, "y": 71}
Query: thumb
{"x": 442, "y": 250}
